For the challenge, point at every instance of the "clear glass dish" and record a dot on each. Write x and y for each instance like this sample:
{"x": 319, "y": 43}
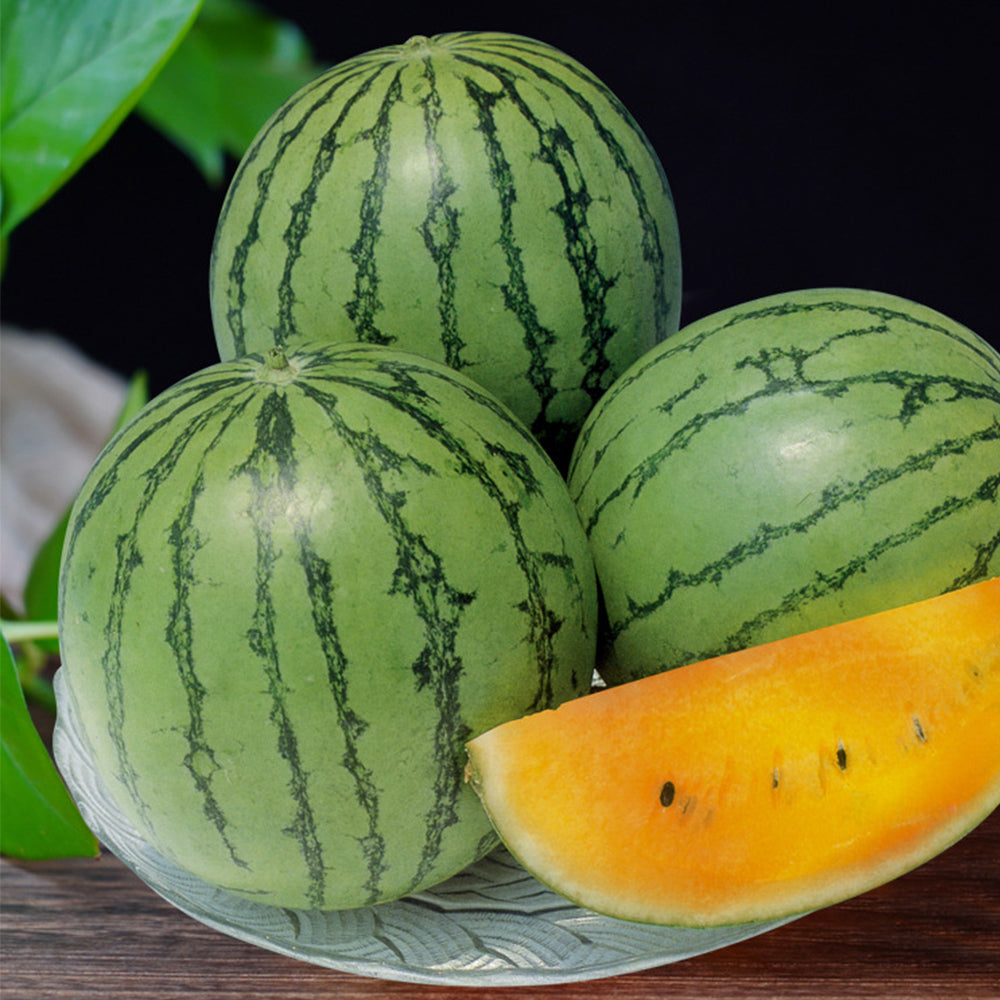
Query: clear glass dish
{"x": 491, "y": 925}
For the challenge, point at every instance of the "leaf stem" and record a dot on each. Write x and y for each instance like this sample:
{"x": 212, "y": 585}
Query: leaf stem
{"x": 29, "y": 631}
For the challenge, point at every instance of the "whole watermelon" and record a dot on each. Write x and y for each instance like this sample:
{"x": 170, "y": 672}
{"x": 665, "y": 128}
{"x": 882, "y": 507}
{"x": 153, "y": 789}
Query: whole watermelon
{"x": 478, "y": 198}
{"x": 292, "y": 588}
{"x": 786, "y": 464}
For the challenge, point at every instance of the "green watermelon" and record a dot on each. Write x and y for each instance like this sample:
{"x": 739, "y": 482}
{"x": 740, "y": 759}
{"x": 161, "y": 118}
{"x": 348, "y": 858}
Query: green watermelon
{"x": 790, "y": 463}
{"x": 478, "y": 198}
{"x": 292, "y": 589}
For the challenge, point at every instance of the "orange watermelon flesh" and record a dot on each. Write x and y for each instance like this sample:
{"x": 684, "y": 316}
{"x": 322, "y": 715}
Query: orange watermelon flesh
{"x": 766, "y": 782}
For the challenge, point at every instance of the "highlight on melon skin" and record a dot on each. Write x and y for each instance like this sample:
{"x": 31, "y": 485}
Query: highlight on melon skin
{"x": 787, "y": 463}
{"x": 762, "y": 783}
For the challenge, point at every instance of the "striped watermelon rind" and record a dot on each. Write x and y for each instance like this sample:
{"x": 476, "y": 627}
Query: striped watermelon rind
{"x": 789, "y": 463}
{"x": 291, "y": 590}
{"x": 478, "y": 198}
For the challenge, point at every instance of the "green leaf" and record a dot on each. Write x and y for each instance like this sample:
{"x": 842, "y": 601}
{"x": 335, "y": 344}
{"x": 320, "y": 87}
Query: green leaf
{"x": 136, "y": 397}
{"x": 236, "y": 66}
{"x": 38, "y": 819}
{"x": 71, "y": 71}
{"x": 41, "y": 591}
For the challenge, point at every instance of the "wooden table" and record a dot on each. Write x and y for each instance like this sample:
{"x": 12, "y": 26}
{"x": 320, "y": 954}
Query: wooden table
{"x": 80, "y": 929}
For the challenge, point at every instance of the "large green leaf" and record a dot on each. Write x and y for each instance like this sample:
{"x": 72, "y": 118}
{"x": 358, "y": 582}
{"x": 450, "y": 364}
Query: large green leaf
{"x": 38, "y": 819}
{"x": 71, "y": 71}
{"x": 235, "y": 67}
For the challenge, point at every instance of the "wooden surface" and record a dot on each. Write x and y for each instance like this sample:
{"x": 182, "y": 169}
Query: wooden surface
{"x": 83, "y": 929}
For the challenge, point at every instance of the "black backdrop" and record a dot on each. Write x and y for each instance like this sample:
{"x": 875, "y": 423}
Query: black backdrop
{"x": 806, "y": 144}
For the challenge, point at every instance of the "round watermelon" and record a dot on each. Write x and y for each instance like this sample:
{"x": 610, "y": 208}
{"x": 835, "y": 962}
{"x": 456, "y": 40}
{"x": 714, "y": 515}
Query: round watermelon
{"x": 292, "y": 588}
{"x": 478, "y": 198}
{"x": 786, "y": 464}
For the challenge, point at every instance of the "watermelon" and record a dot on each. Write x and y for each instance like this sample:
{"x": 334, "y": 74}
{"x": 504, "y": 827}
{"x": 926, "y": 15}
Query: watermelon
{"x": 479, "y": 198}
{"x": 765, "y": 782}
{"x": 293, "y": 586}
{"x": 785, "y": 464}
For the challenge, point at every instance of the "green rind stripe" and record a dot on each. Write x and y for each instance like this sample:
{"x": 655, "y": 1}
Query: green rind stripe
{"x": 298, "y": 225}
{"x": 835, "y": 578}
{"x": 319, "y": 586}
{"x": 582, "y": 82}
{"x": 989, "y": 491}
{"x": 409, "y": 394}
{"x": 365, "y": 305}
{"x": 188, "y": 397}
{"x": 128, "y": 556}
{"x": 236, "y": 271}
{"x": 556, "y": 146}
{"x": 200, "y": 760}
{"x": 440, "y": 228}
{"x": 274, "y": 454}
{"x": 515, "y": 292}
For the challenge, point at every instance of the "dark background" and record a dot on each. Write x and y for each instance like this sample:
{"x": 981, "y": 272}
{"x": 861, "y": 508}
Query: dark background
{"x": 806, "y": 145}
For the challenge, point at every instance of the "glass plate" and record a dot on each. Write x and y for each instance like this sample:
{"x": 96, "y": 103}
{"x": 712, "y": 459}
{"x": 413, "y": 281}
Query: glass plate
{"x": 491, "y": 925}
